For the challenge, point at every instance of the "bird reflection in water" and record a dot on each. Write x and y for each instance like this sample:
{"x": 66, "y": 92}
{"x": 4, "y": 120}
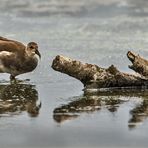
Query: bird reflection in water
{"x": 110, "y": 100}
{"x": 15, "y": 98}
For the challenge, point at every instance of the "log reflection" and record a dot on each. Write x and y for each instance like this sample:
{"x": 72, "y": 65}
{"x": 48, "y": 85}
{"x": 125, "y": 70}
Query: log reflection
{"x": 110, "y": 100}
{"x": 139, "y": 113}
{"x": 87, "y": 104}
{"x": 15, "y": 98}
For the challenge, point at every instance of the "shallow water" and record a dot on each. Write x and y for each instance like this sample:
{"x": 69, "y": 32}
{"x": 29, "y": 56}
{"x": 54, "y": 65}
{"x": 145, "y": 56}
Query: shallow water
{"x": 51, "y": 110}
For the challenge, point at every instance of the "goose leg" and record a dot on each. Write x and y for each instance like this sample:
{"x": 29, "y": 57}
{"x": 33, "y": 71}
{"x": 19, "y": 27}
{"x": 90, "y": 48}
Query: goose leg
{"x": 12, "y": 77}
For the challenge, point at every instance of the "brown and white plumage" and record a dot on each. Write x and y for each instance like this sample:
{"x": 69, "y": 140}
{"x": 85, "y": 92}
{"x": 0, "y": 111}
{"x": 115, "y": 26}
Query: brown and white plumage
{"x": 16, "y": 58}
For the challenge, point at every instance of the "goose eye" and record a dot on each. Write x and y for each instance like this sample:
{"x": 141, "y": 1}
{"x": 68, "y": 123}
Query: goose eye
{"x": 31, "y": 47}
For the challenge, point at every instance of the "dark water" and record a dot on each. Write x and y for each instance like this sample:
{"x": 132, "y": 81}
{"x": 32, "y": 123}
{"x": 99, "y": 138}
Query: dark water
{"x": 51, "y": 109}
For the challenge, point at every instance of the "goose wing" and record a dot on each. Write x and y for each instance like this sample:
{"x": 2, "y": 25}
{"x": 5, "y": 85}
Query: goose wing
{"x": 7, "y": 61}
{"x": 11, "y": 45}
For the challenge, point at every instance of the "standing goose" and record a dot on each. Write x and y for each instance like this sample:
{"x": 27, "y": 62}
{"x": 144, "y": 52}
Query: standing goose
{"x": 16, "y": 58}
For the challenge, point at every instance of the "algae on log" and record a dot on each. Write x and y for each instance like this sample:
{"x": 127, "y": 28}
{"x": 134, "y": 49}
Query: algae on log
{"x": 95, "y": 77}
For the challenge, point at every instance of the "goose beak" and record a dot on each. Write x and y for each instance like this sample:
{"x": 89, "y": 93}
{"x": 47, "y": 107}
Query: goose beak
{"x": 38, "y": 53}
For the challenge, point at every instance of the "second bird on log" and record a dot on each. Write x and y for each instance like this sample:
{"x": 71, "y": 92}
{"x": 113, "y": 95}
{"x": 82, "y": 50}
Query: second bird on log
{"x": 16, "y": 58}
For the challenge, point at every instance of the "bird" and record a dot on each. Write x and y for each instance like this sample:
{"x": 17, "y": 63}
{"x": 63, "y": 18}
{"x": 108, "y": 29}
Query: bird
{"x": 17, "y": 58}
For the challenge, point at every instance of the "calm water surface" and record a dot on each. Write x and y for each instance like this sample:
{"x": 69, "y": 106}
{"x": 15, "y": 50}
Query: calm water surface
{"x": 51, "y": 109}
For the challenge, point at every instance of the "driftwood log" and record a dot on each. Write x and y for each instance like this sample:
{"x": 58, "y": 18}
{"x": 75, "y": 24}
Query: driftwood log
{"x": 95, "y": 77}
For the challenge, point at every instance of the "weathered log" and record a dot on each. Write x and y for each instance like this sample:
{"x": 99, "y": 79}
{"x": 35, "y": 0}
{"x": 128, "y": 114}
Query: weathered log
{"x": 140, "y": 65}
{"x": 93, "y": 76}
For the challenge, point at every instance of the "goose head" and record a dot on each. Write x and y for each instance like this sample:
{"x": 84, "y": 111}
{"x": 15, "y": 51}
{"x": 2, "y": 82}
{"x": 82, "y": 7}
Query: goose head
{"x": 32, "y": 49}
